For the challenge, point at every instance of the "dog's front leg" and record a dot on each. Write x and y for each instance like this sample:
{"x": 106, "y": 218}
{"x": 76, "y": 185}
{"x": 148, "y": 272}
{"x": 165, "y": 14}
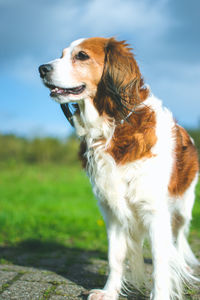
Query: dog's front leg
{"x": 116, "y": 256}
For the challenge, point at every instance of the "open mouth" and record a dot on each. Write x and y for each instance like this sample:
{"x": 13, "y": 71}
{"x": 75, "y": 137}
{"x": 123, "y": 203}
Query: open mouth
{"x": 57, "y": 91}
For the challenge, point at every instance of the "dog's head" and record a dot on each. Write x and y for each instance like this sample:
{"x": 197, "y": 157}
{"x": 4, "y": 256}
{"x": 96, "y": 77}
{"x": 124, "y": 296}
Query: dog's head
{"x": 103, "y": 70}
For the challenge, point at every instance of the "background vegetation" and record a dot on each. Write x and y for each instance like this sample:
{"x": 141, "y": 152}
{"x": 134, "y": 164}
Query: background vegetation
{"x": 48, "y": 150}
{"x": 45, "y": 195}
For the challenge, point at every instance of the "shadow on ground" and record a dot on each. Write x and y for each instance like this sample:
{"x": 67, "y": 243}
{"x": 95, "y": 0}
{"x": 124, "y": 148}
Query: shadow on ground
{"x": 87, "y": 269}
{"x": 78, "y": 268}
{"x": 74, "y": 264}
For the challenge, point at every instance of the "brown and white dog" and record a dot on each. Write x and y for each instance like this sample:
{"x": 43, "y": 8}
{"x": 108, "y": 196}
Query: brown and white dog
{"x": 142, "y": 165}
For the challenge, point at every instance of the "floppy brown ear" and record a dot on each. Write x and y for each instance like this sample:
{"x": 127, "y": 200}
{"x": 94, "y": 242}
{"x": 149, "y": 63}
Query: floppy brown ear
{"x": 120, "y": 89}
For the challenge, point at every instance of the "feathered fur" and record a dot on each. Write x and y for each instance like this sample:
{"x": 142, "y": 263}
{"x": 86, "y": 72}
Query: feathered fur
{"x": 142, "y": 165}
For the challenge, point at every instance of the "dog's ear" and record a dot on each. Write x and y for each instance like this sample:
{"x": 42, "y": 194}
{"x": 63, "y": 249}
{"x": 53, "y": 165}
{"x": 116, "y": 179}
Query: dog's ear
{"x": 121, "y": 87}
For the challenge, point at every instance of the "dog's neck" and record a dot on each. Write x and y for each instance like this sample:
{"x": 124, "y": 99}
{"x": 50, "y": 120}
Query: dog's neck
{"x": 88, "y": 113}
{"x": 90, "y": 125}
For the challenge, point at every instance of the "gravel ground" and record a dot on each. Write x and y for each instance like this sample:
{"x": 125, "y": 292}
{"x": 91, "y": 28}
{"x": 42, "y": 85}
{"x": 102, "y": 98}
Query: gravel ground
{"x": 35, "y": 270}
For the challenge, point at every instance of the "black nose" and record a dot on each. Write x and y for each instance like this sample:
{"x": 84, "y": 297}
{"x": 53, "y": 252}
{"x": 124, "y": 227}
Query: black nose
{"x": 44, "y": 69}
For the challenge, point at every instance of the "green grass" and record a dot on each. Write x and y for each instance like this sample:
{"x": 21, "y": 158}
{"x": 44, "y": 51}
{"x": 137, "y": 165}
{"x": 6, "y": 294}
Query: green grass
{"x": 50, "y": 203}
{"x": 195, "y": 226}
{"x": 54, "y": 203}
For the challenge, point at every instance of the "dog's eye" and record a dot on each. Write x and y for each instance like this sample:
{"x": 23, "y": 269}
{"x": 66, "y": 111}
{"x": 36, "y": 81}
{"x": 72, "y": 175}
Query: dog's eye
{"x": 82, "y": 55}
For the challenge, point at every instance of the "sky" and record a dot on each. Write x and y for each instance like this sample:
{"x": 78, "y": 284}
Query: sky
{"x": 164, "y": 35}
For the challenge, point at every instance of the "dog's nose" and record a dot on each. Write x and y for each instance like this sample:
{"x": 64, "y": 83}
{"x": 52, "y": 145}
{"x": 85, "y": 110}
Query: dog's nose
{"x": 44, "y": 69}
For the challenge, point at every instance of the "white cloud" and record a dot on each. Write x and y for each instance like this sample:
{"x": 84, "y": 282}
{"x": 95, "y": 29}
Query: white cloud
{"x": 34, "y": 32}
{"x": 177, "y": 84}
{"x": 125, "y": 16}
{"x": 41, "y": 27}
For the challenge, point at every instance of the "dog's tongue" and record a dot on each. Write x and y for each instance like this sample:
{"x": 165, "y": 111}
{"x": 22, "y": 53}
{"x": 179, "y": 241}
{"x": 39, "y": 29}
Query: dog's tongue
{"x": 60, "y": 91}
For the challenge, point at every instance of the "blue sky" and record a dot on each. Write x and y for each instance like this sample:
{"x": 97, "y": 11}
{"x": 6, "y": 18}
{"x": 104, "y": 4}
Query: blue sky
{"x": 163, "y": 33}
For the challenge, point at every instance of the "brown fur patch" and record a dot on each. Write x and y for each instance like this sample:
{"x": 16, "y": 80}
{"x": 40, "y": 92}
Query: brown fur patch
{"x": 120, "y": 89}
{"x": 186, "y": 163}
{"x": 134, "y": 139}
{"x": 95, "y": 48}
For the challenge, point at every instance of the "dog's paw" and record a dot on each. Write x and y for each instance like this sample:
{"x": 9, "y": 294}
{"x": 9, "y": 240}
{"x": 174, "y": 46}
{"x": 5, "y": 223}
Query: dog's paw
{"x": 100, "y": 295}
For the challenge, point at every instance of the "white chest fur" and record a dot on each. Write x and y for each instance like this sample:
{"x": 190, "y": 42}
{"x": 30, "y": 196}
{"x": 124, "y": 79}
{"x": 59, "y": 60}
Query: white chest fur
{"x": 137, "y": 184}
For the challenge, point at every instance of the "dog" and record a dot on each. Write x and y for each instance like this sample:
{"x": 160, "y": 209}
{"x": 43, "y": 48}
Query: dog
{"x": 143, "y": 166}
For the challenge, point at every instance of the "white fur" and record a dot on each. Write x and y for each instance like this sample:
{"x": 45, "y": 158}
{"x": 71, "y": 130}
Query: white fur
{"x": 63, "y": 76}
{"x": 134, "y": 199}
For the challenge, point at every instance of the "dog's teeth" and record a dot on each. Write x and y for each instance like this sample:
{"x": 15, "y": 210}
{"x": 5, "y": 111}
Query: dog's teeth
{"x": 55, "y": 90}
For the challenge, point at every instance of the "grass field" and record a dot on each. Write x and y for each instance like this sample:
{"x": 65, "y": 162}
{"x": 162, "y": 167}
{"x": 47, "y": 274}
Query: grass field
{"x": 54, "y": 203}
{"x": 49, "y": 203}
